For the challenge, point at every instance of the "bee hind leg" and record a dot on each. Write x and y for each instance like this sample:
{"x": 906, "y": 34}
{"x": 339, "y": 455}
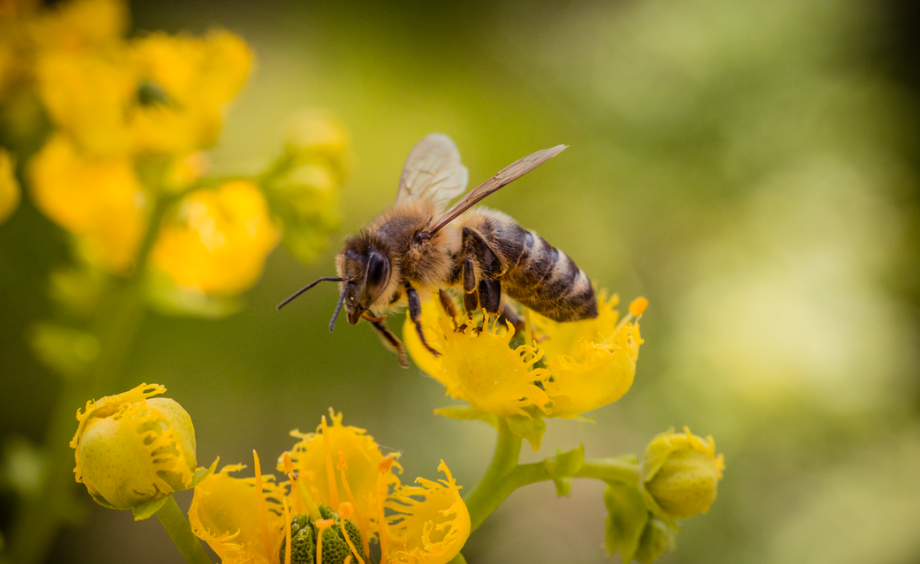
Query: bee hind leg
{"x": 415, "y": 314}
{"x": 470, "y": 290}
{"x": 510, "y": 315}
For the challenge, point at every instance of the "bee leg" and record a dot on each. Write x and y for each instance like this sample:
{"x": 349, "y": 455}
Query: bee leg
{"x": 511, "y": 315}
{"x": 389, "y": 339}
{"x": 415, "y": 313}
{"x": 448, "y": 304}
{"x": 470, "y": 292}
{"x": 490, "y": 294}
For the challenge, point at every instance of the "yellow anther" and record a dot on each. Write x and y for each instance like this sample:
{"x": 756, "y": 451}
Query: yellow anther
{"x": 637, "y": 306}
{"x": 260, "y": 499}
{"x": 330, "y": 474}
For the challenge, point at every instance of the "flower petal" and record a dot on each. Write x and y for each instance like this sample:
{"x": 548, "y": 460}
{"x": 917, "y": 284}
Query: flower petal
{"x": 430, "y": 523}
{"x": 225, "y": 514}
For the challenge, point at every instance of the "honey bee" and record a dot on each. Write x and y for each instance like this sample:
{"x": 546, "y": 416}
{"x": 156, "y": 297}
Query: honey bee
{"x": 416, "y": 248}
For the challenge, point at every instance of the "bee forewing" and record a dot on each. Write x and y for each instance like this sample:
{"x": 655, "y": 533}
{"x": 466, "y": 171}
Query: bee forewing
{"x": 504, "y": 177}
{"x": 433, "y": 170}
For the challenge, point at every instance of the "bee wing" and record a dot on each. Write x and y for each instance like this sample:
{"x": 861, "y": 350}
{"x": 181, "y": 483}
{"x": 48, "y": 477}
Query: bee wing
{"x": 433, "y": 169}
{"x": 504, "y": 177}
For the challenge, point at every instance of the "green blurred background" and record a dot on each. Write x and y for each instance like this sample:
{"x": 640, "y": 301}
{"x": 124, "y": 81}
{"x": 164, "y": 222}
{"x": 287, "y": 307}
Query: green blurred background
{"x": 750, "y": 167}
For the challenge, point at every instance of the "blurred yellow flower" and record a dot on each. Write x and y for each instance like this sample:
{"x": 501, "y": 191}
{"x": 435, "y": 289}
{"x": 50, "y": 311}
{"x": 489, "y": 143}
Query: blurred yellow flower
{"x": 78, "y": 24}
{"x": 429, "y": 524}
{"x": 99, "y": 200}
{"x": 88, "y": 96}
{"x": 588, "y": 364}
{"x": 27, "y": 33}
{"x": 9, "y": 187}
{"x": 131, "y": 449}
{"x": 680, "y": 474}
{"x": 187, "y": 82}
{"x": 217, "y": 239}
{"x": 226, "y": 514}
{"x": 156, "y": 95}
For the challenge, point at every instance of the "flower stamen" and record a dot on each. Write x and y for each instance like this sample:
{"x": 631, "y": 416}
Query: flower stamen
{"x": 301, "y": 488}
{"x": 330, "y": 474}
{"x": 263, "y": 522}
{"x": 321, "y": 526}
{"x": 287, "y": 531}
{"x": 362, "y": 524}
{"x": 345, "y": 512}
{"x": 382, "y": 470}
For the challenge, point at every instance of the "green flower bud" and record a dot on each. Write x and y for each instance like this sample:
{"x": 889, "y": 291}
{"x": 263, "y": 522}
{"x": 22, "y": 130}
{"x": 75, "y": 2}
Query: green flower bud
{"x": 131, "y": 450}
{"x": 316, "y": 134}
{"x": 657, "y": 537}
{"x": 680, "y": 475}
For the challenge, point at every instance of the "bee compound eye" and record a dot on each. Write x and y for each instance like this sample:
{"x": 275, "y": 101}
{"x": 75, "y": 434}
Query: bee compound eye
{"x": 378, "y": 270}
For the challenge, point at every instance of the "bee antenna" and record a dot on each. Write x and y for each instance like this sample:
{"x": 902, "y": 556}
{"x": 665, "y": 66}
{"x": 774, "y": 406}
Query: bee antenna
{"x": 307, "y": 287}
{"x": 338, "y": 306}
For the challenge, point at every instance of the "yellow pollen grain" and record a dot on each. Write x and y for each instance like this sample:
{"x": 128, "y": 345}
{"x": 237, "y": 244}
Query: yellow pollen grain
{"x": 321, "y": 526}
{"x": 362, "y": 524}
{"x": 263, "y": 521}
{"x": 287, "y": 531}
{"x": 333, "y": 489}
{"x": 637, "y": 306}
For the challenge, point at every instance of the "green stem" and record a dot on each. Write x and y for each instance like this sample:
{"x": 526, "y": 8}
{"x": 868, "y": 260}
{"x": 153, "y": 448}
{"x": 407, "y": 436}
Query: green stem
{"x": 491, "y": 495}
{"x": 120, "y": 315}
{"x": 175, "y": 523}
{"x": 479, "y": 501}
{"x": 459, "y": 559}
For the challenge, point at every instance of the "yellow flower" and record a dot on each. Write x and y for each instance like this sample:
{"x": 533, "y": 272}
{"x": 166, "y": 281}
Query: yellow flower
{"x": 337, "y": 467}
{"x": 479, "y": 367}
{"x": 79, "y": 24}
{"x": 88, "y": 95}
{"x": 316, "y": 458}
{"x": 156, "y": 95}
{"x": 429, "y": 524}
{"x": 592, "y": 362}
{"x": 226, "y": 513}
{"x": 217, "y": 240}
{"x": 680, "y": 474}
{"x": 190, "y": 80}
{"x": 9, "y": 188}
{"x": 588, "y": 363}
{"x": 99, "y": 200}
{"x": 130, "y": 449}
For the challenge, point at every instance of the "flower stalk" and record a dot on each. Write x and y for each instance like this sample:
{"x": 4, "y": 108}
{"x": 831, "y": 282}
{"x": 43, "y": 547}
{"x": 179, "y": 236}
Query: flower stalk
{"x": 179, "y": 530}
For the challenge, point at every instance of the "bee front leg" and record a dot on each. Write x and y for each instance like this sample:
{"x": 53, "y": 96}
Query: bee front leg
{"x": 388, "y": 338}
{"x": 415, "y": 314}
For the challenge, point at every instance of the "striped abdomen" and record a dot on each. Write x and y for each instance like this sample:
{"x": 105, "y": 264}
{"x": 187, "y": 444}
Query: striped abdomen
{"x": 536, "y": 274}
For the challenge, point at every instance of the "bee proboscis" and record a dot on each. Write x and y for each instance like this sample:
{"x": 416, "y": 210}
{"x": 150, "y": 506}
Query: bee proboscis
{"x": 416, "y": 248}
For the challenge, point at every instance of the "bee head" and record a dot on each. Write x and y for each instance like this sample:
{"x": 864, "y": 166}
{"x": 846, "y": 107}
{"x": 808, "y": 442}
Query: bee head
{"x": 365, "y": 269}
